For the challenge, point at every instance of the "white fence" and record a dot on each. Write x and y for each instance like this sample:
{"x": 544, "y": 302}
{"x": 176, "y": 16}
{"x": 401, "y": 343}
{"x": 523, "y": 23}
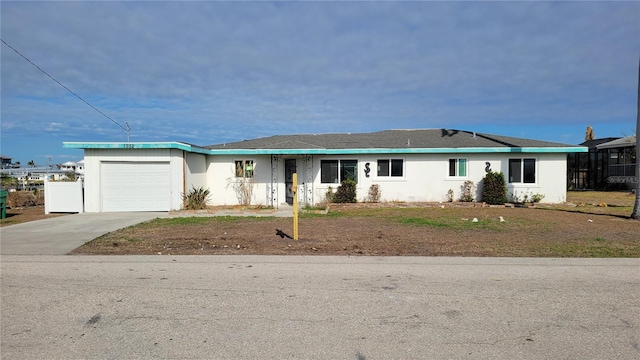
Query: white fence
{"x": 63, "y": 196}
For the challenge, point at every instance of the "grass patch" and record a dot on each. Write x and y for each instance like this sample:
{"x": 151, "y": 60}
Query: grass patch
{"x": 425, "y": 222}
{"x": 613, "y": 210}
{"x": 329, "y": 214}
{"x": 453, "y": 223}
{"x": 590, "y": 251}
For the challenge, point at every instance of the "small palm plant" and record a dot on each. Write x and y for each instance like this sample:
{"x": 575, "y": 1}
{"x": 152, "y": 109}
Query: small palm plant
{"x": 196, "y": 199}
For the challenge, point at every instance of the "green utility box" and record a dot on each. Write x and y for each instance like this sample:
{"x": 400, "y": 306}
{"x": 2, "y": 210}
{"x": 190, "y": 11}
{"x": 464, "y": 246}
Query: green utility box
{"x": 3, "y": 203}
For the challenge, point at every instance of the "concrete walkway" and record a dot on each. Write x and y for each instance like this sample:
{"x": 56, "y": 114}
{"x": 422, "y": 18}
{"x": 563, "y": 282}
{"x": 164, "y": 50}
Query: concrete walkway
{"x": 281, "y": 211}
{"x": 60, "y": 235}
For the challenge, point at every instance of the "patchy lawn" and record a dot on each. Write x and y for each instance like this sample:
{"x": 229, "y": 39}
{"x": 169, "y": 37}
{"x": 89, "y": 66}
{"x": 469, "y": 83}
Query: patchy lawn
{"x": 578, "y": 229}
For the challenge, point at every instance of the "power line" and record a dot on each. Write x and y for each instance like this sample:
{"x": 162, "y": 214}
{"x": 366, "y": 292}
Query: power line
{"x": 125, "y": 128}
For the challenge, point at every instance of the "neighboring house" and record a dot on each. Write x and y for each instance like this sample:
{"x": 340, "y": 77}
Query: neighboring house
{"x": 589, "y": 170}
{"x": 621, "y": 154}
{"x": 80, "y": 168}
{"x": 608, "y": 165}
{"x": 29, "y": 178}
{"x": 408, "y": 165}
{"x": 75, "y": 167}
{"x": 68, "y": 166}
{"x": 5, "y": 162}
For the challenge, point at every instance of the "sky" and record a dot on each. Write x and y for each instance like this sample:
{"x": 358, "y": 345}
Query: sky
{"x": 206, "y": 72}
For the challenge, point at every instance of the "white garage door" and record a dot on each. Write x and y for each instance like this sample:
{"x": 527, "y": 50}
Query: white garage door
{"x": 135, "y": 186}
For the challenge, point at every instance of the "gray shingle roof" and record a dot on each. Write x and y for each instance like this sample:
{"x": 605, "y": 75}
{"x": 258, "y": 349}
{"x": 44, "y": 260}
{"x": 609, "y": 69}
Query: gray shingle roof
{"x": 388, "y": 139}
{"x": 592, "y": 144}
{"x": 622, "y": 142}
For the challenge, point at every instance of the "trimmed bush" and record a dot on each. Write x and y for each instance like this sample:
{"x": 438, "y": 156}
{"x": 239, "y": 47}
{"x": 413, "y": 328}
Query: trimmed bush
{"x": 346, "y": 192}
{"x": 494, "y": 188}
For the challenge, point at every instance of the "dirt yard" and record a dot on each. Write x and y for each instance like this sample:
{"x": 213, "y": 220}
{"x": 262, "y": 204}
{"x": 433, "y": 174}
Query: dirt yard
{"x": 25, "y": 206}
{"x": 17, "y": 215}
{"x": 580, "y": 228}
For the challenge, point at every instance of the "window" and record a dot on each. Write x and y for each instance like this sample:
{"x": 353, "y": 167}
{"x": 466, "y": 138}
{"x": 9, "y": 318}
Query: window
{"x": 244, "y": 168}
{"x": 522, "y": 171}
{"x": 622, "y": 162}
{"x": 458, "y": 167}
{"x": 349, "y": 170}
{"x": 329, "y": 171}
{"x": 393, "y": 167}
{"x": 335, "y": 171}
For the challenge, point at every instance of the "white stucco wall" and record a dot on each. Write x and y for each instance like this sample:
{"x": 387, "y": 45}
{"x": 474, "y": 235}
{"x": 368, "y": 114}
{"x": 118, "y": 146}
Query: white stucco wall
{"x": 551, "y": 174}
{"x": 269, "y": 188}
{"x": 221, "y": 179}
{"x": 195, "y": 171}
{"x": 425, "y": 176}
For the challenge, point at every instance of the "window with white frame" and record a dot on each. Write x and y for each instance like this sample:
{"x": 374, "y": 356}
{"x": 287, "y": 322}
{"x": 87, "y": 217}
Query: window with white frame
{"x": 336, "y": 171}
{"x": 522, "y": 171}
{"x": 244, "y": 168}
{"x": 458, "y": 167}
{"x": 391, "y": 167}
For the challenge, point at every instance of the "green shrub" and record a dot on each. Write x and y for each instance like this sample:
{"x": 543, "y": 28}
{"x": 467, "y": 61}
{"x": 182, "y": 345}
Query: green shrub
{"x": 196, "y": 199}
{"x": 494, "y": 188}
{"x": 536, "y": 198}
{"x": 346, "y": 192}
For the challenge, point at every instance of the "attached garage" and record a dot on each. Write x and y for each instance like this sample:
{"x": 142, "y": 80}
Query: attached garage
{"x": 135, "y": 186}
{"x": 121, "y": 177}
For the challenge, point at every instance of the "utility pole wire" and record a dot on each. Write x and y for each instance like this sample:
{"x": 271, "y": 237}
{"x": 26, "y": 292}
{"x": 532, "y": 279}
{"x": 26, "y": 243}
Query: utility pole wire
{"x": 127, "y": 129}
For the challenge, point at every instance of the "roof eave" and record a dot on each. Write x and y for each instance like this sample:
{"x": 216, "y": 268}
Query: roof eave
{"x": 134, "y": 145}
{"x": 473, "y": 150}
{"x": 316, "y": 151}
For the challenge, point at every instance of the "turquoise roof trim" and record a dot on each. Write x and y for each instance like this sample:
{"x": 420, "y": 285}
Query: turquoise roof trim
{"x": 135, "y": 145}
{"x": 398, "y": 151}
{"x": 187, "y": 147}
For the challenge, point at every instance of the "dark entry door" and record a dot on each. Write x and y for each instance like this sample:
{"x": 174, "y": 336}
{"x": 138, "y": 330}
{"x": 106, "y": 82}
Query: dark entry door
{"x": 289, "y": 170}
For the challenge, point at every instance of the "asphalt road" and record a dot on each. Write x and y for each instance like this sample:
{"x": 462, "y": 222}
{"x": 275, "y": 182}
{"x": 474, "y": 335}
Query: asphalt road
{"x": 265, "y": 307}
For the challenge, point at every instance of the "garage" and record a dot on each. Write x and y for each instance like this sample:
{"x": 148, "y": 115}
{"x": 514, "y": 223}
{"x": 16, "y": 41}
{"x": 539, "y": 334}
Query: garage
{"x": 135, "y": 186}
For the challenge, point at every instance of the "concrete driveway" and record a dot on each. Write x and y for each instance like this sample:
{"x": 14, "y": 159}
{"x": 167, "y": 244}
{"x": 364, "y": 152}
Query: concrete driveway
{"x": 60, "y": 235}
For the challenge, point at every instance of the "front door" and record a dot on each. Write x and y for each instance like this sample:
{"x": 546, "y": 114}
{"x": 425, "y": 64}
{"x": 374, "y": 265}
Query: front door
{"x": 289, "y": 170}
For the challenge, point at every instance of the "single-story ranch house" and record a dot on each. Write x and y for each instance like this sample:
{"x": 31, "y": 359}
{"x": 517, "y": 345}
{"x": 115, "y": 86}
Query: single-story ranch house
{"x": 407, "y": 165}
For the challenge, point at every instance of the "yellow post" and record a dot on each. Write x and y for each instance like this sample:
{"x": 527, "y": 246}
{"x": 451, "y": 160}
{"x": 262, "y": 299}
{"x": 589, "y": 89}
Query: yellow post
{"x": 294, "y": 189}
